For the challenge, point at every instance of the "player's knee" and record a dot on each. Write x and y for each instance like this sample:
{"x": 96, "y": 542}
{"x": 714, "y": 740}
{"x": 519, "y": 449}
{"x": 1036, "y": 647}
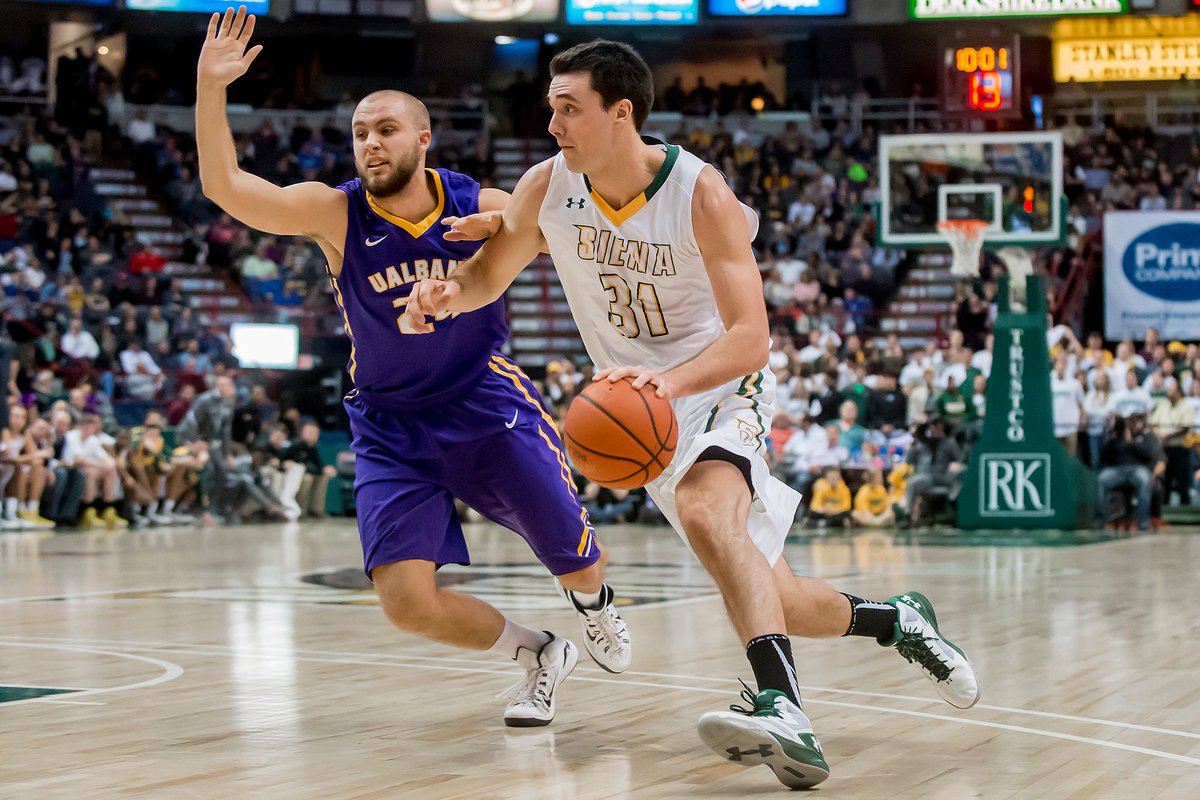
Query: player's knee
{"x": 704, "y": 510}
{"x": 588, "y": 579}
{"x": 410, "y": 606}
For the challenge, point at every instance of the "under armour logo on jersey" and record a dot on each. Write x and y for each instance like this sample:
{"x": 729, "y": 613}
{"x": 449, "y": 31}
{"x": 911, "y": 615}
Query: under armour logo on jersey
{"x": 571, "y": 201}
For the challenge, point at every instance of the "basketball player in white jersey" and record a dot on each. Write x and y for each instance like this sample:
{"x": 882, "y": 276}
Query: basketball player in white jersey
{"x": 653, "y": 251}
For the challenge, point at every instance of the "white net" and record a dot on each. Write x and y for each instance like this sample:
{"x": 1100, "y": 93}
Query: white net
{"x": 966, "y": 240}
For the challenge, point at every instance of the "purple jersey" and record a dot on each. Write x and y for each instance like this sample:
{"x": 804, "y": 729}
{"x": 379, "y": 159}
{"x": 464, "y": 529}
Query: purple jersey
{"x": 383, "y": 257}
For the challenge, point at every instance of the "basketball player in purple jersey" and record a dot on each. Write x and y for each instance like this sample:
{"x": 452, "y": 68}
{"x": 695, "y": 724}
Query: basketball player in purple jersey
{"x": 439, "y": 412}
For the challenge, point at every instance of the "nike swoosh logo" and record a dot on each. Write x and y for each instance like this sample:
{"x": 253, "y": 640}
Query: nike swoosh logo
{"x": 372, "y": 242}
{"x": 509, "y": 425}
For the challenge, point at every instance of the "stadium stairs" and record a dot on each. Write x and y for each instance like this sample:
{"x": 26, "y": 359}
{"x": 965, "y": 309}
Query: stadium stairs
{"x": 540, "y": 321}
{"x": 923, "y": 308}
{"x": 214, "y": 295}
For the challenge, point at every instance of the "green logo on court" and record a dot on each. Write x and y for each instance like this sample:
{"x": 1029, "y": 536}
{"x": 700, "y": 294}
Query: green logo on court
{"x": 10, "y": 694}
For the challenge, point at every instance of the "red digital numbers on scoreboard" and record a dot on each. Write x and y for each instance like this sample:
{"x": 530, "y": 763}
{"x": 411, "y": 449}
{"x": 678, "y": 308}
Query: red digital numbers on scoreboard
{"x": 985, "y": 92}
{"x": 980, "y": 78}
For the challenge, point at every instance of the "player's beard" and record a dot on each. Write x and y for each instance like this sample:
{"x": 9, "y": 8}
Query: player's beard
{"x": 394, "y": 182}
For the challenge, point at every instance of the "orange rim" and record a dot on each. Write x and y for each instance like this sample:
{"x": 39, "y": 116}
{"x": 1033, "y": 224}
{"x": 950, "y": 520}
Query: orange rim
{"x": 966, "y": 227}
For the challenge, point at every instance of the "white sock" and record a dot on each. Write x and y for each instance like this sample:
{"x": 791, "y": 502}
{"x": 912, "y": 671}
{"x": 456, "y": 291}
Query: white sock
{"x": 10, "y": 507}
{"x": 520, "y": 643}
{"x": 32, "y": 505}
{"x": 152, "y": 510}
{"x": 168, "y": 506}
{"x": 589, "y": 600}
{"x": 137, "y": 509}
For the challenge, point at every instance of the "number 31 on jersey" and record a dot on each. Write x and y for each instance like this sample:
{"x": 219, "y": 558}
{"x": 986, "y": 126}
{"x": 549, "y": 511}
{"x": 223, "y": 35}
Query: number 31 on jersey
{"x": 621, "y": 312}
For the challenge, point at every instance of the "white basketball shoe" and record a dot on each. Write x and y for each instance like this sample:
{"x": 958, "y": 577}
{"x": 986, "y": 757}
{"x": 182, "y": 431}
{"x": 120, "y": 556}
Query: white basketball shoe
{"x": 532, "y": 698}
{"x": 774, "y": 731}
{"x": 604, "y": 633}
{"x": 918, "y": 640}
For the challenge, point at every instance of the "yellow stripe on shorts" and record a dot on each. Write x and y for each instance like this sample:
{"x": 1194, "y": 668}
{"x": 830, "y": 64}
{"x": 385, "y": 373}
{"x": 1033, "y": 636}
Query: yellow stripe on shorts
{"x": 501, "y": 367}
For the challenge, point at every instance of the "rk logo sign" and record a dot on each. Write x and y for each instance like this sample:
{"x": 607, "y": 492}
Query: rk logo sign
{"x": 1015, "y": 485}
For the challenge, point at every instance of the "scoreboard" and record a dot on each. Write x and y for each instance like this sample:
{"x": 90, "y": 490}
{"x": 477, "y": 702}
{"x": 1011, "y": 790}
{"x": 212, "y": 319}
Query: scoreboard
{"x": 980, "y": 76}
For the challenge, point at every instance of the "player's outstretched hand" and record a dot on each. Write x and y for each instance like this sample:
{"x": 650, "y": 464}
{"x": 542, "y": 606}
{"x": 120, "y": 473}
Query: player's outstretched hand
{"x": 428, "y": 297}
{"x": 474, "y": 227}
{"x": 224, "y": 57}
{"x": 641, "y": 376}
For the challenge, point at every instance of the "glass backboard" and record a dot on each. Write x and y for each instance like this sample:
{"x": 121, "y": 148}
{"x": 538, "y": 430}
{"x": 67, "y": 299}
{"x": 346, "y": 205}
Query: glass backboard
{"x": 1013, "y": 181}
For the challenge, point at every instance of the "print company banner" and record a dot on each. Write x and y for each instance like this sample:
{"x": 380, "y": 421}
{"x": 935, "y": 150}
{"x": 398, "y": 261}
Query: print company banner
{"x": 1151, "y": 273}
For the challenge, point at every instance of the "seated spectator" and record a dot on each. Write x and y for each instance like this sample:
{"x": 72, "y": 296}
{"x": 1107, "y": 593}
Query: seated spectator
{"x": 898, "y": 488}
{"x": 44, "y": 393}
{"x": 1098, "y": 415}
{"x": 157, "y": 328}
{"x": 248, "y": 493}
{"x": 1172, "y": 421}
{"x": 79, "y": 344}
{"x": 143, "y": 377}
{"x": 851, "y": 435}
{"x": 887, "y": 410}
{"x": 1066, "y": 399}
{"x": 938, "y": 462}
{"x": 1131, "y": 398}
{"x": 257, "y": 268}
{"x": 87, "y": 449}
{"x": 954, "y": 408}
{"x": 64, "y": 481}
{"x": 872, "y": 503}
{"x": 271, "y": 457}
{"x": 1130, "y": 460}
{"x": 185, "y": 487}
{"x": 812, "y": 454}
{"x": 191, "y": 359}
{"x": 858, "y": 306}
{"x": 306, "y": 477}
{"x": 144, "y": 464}
{"x": 831, "y": 499}
{"x": 25, "y": 462}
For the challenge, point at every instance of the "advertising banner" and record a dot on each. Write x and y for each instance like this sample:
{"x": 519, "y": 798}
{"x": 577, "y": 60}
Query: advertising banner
{"x": 777, "y": 8}
{"x": 1151, "y": 273}
{"x": 491, "y": 10}
{"x": 1000, "y": 9}
{"x": 632, "y": 12}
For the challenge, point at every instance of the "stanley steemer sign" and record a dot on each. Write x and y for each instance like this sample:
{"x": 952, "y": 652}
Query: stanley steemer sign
{"x": 1163, "y": 58}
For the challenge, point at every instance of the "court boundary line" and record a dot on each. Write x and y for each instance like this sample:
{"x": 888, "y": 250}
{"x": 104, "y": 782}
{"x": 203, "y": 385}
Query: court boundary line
{"x": 414, "y": 662}
{"x": 170, "y": 670}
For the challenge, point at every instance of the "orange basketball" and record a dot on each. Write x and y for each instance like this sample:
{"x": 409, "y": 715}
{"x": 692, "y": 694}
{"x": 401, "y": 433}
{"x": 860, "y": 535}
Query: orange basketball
{"x": 619, "y": 436}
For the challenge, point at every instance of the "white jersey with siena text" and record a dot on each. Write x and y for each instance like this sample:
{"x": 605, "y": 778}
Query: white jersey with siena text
{"x": 639, "y": 292}
{"x": 634, "y": 277}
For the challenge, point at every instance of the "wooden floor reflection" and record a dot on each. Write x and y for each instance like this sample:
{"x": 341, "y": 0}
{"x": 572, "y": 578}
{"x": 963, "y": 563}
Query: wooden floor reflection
{"x": 252, "y": 663}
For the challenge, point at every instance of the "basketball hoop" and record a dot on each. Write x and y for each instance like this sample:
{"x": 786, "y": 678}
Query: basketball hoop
{"x": 966, "y": 240}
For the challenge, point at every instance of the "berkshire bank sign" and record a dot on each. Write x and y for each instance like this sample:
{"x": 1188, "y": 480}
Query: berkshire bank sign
{"x": 985, "y": 9}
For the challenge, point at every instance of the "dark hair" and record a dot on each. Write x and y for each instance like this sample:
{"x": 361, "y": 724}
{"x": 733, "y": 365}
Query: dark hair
{"x": 617, "y": 73}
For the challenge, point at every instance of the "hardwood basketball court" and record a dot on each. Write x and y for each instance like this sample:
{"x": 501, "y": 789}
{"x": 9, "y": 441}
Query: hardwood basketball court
{"x": 251, "y": 663}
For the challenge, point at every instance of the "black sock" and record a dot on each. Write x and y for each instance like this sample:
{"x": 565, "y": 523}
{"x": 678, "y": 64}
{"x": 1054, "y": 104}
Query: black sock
{"x": 771, "y": 659}
{"x": 867, "y": 618}
{"x": 100, "y": 507}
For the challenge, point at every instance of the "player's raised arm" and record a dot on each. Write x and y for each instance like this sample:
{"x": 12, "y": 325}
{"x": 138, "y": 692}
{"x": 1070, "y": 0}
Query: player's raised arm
{"x": 483, "y": 277}
{"x": 309, "y": 209}
{"x": 724, "y": 238}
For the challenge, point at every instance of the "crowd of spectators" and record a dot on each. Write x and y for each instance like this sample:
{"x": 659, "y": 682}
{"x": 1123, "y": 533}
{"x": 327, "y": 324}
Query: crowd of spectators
{"x": 122, "y": 402}
{"x": 872, "y": 430}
